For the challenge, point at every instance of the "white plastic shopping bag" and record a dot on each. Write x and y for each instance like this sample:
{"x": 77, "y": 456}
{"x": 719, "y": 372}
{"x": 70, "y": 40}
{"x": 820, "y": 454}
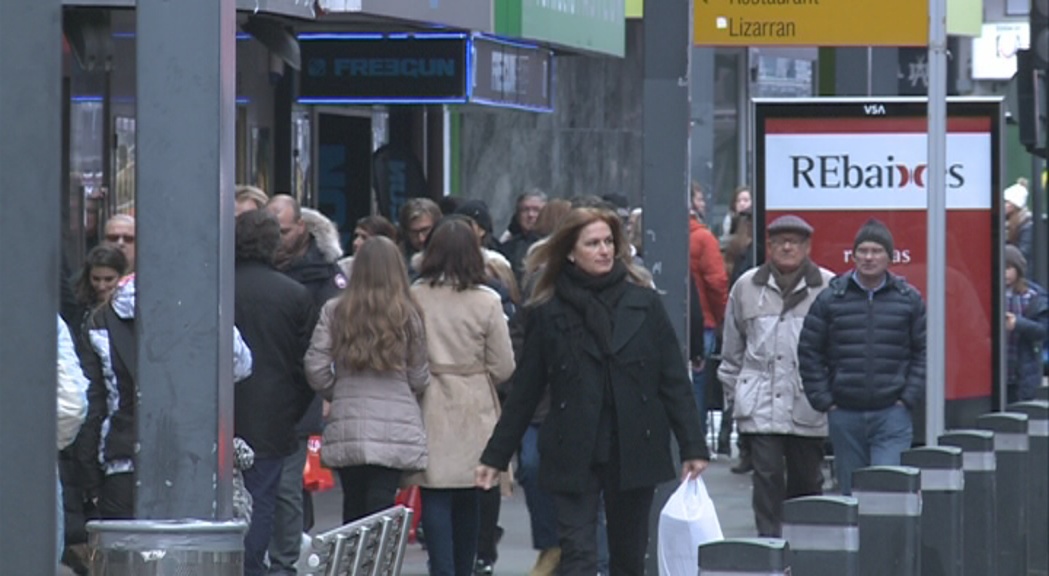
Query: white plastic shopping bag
{"x": 688, "y": 519}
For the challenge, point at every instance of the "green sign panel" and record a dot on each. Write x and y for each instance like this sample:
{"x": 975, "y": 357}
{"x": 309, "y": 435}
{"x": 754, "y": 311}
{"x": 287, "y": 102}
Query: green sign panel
{"x": 590, "y": 25}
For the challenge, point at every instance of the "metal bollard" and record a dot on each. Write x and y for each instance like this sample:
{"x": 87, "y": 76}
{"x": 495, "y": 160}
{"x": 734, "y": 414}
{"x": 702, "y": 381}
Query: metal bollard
{"x": 890, "y": 509}
{"x": 942, "y": 485}
{"x": 745, "y": 557}
{"x": 1010, "y": 449}
{"x": 824, "y": 535}
{"x": 979, "y": 510}
{"x": 161, "y": 547}
{"x": 1037, "y": 412}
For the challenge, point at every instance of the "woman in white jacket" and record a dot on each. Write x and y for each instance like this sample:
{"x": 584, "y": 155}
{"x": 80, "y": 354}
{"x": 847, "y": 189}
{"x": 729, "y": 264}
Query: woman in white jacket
{"x": 72, "y": 409}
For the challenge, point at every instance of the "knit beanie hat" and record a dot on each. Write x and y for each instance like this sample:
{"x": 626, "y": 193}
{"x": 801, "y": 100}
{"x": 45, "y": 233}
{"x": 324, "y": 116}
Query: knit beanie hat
{"x": 874, "y": 231}
{"x": 1016, "y": 195}
{"x": 477, "y": 211}
{"x": 1015, "y": 258}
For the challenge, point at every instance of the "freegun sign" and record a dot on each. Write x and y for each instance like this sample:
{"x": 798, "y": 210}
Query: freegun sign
{"x": 811, "y": 23}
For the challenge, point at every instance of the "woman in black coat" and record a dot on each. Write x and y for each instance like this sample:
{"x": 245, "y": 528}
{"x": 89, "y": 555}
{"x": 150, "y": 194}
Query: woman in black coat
{"x": 600, "y": 338}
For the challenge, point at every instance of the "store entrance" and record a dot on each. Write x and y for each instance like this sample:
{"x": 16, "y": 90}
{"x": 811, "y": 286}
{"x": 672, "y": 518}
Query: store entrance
{"x": 344, "y": 151}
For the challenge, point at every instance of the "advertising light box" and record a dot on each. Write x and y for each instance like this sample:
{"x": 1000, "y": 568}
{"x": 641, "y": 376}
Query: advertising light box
{"x": 838, "y": 162}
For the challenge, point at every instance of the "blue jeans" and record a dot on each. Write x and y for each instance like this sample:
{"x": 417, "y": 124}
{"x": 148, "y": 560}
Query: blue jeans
{"x": 699, "y": 377}
{"x": 868, "y": 438}
{"x": 261, "y": 481}
{"x": 540, "y": 503}
{"x": 287, "y": 515}
{"x": 451, "y": 519}
{"x": 60, "y": 517}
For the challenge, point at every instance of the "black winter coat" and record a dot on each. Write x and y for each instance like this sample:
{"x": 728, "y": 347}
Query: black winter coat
{"x": 863, "y": 353}
{"x": 276, "y": 317}
{"x": 324, "y": 280}
{"x": 649, "y": 381}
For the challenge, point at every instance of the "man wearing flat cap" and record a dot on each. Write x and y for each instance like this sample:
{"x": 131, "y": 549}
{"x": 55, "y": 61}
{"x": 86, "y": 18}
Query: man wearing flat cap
{"x": 862, "y": 353}
{"x": 759, "y": 370}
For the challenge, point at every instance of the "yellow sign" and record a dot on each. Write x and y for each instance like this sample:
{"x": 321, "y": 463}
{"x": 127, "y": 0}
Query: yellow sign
{"x": 965, "y": 17}
{"x": 811, "y": 22}
{"x": 635, "y": 8}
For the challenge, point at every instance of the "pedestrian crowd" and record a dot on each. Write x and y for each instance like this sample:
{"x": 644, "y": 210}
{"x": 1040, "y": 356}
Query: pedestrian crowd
{"x": 440, "y": 356}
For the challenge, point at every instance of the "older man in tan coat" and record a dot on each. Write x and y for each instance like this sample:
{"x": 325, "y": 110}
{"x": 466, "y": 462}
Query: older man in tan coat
{"x": 759, "y": 370}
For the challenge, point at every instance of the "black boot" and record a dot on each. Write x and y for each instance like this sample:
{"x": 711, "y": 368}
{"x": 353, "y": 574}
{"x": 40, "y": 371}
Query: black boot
{"x": 725, "y": 434}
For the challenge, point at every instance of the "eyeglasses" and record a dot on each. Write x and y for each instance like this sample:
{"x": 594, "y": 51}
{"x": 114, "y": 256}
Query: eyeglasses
{"x": 783, "y": 241}
{"x": 118, "y": 238}
{"x": 420, "y": 232}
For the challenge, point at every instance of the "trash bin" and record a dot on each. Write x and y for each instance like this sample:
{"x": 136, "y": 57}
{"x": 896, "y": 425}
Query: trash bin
{"x": 166, "y": 547}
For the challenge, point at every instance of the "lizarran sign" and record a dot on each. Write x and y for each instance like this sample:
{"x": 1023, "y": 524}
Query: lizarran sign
{"x": 810, "y": 23}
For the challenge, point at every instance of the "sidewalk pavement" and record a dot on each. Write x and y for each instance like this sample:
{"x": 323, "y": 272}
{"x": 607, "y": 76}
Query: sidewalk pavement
{"x": 731, "y": 494}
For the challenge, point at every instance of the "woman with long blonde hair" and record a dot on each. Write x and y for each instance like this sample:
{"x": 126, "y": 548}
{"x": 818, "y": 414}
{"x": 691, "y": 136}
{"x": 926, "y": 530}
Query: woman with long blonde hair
{"x": 368, "y": 358}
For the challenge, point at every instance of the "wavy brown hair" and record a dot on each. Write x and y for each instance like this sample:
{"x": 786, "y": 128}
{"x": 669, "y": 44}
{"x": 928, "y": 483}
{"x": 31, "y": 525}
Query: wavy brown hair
{"x": 376, "y": 315}
{"x": 103, "y": 255}
{"x": 453, "y": 255}
{"x": 550, "y": 257}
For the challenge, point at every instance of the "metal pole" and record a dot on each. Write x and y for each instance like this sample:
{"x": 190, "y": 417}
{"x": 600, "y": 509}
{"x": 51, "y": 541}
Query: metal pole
{"x": 186, "y": 65}
{"x": 936, "y": 241}
{"x": 667, "y": 44}
{"x": 1040, "y": 267}
{"x": 30, "y": 168}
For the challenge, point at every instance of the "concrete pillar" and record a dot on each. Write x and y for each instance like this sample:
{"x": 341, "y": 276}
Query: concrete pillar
{"x": 30, "y": 168}
{"x": 186, "y": 73}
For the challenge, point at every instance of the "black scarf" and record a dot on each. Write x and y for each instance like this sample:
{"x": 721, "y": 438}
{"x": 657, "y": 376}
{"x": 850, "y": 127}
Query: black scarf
{"x": 594, "y": 298}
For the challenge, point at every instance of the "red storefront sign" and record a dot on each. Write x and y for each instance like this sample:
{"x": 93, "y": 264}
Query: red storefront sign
{"x": 838, "y": 163}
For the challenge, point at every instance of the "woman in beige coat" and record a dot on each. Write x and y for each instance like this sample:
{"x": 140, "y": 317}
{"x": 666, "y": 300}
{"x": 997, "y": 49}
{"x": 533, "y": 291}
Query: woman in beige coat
{"x": 469, "y": 352}
{"x": 368, "y": 358}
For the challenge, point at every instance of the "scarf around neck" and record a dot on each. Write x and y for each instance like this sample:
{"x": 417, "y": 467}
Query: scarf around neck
{"x": 594, "y": 298}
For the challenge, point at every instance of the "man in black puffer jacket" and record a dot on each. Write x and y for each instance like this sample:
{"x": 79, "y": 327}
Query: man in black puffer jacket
{"x": 862, "y": 357}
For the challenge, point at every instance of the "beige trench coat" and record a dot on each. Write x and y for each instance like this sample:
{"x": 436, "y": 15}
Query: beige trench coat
{"x": 469, "y": 352}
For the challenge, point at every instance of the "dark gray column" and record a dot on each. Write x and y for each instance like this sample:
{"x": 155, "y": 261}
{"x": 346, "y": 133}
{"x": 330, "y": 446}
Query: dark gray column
{"x": 745, "y": 557}
{"x": 942, "y": 485}
{"x": 824, "y": 535}
{"x": 30, "y": 154}
{"x": 701, "y": 136}
{"x": 890, "y": 520}
{"x": 979, "y": 505}
{"x": 665, "y": 176}
{"x": 863, "y": 72}
{"x": 1011, "y": 445}
{"x": 186, "y": 73}
{"x": 1037, "y": 412}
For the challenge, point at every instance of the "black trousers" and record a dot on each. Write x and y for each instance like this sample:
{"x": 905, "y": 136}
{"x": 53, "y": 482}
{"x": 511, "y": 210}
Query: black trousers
{"x": 367, "y": 489}
{"x": 785, "y": 466}
{"x": 626, "y": 512}
{"x": 116, "y": 498}
{"x": 488, "y": 530}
